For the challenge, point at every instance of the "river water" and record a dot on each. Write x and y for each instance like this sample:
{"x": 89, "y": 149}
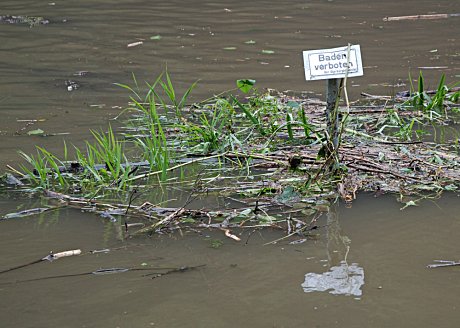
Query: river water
{"x": 384, "y": 282}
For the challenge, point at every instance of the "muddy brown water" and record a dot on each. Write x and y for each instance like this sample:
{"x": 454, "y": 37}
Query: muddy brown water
{"x": 242, "y": 285}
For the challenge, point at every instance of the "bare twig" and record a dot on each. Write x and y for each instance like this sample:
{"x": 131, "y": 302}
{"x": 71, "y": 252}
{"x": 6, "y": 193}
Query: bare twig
{"x": 417, "y": 17}
{"x": 443, "y": 263}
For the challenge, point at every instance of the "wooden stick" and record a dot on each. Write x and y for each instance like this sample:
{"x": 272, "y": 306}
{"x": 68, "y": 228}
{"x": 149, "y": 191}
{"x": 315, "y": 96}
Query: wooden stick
{"x": 230, "y": 235}
{"x": 442, "y": 263}
{"x": 56, "y": 256}
{"x": 49, "y": 257}
{"x": 14, "y": 170}
{"x": 416, "y": 17}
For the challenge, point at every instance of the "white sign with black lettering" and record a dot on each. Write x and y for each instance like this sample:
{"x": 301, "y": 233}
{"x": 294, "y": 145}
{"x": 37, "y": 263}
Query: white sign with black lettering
{"x": 332, "y": 63}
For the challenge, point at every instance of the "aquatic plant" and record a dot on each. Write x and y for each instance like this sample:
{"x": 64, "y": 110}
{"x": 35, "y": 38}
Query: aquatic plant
{"x": 38, "y": 175}
{"x": 307, "y": 128}
{"x": 433, "y": 106}
{"x": 107, "y": 150}
{"x": 169, "y": 90}
{"x": 149, "y": 134}
{"x": 245, "y": 85}
{"x": 102, "y": 162}
{"x": 254, "y": 119}
{"x": 212, "y": 130}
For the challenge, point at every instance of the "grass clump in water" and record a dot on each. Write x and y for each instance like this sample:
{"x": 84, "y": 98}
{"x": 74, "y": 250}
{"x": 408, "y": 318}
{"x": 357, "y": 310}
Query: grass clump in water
{"x": 101, "y": 163}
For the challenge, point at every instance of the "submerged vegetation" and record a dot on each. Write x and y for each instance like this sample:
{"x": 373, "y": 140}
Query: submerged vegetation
{"x": 265, "y": 151}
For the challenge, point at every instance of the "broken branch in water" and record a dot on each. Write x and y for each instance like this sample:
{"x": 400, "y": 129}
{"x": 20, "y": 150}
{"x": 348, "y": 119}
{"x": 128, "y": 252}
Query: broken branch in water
{"x": 116, "y": 270}
{"x": 230, "y": 235}
{"x": 442, "y": 263}
{"x": 29, "y": 212}
{"x": 51, "y": 257}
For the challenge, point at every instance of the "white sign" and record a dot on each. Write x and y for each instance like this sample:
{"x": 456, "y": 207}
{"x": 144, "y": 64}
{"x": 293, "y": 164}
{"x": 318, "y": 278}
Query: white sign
{"x": 332, "y": 63}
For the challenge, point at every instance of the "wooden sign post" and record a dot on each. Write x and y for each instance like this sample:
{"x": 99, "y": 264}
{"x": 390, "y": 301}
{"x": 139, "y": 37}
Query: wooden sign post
{"x": 333, "y": 65}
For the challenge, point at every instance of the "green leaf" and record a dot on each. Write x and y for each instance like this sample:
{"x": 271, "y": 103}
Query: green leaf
{"x": 454, "y": 98}
{"x": 245, "y": 85}
{"x": 322, "y": 152}
{"x": 37, "y": 132}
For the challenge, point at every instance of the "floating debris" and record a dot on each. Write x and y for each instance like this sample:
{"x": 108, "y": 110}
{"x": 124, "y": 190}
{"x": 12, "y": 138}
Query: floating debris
{"x": 135, "y": 44}
{"x": 442, "y": 264}
{"x": 10, "y": 180}
{"x": 36, "y": 132}
{"x": 339, "y": 280}
{"x": 29, "y": 20}
{"x": 24, "y": 213}
{"x": 71, "y": 85}
{"x": 81, "y": 73}
{"x": 50, "y": 257}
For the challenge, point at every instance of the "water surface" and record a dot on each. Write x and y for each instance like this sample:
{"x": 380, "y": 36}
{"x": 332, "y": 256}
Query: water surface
{"x": 246, "y": 285}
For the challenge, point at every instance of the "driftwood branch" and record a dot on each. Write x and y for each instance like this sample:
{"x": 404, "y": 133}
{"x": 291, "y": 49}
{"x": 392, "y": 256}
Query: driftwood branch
{"x": 417, "y": 17}
{"x": 443, "y": 263}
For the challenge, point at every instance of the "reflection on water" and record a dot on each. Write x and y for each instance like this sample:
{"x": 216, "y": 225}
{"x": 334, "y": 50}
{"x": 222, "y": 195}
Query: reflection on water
{"x": 339, "y": 280}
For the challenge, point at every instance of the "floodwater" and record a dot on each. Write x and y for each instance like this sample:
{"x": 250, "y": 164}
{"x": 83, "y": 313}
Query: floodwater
{"x": 383, "y": 282}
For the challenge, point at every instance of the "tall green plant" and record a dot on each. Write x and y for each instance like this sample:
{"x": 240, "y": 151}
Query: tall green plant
{"x": 104, "y": 161}
{"x": 153, "y": 145}
{"x": 154, "y": 149}
{"x": 47, "y": 169}
{"x": 38, "y": 175}
{"x": 170, "y": 97}
{"x": 433, "y": 105}
{"x": 170, "y": 91}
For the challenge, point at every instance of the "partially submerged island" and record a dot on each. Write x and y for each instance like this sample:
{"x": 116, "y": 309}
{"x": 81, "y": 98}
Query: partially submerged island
{"x": 268, "y": 153}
